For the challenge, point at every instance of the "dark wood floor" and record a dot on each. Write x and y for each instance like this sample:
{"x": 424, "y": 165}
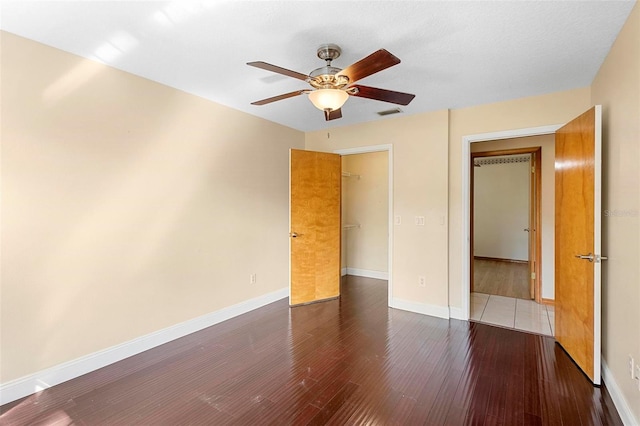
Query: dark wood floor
{"x": 508, "y": 279}
{"x": 347, "y": 361}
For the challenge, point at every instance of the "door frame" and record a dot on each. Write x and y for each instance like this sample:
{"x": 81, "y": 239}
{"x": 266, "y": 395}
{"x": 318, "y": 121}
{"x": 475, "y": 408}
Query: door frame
{"x": 534, "y": 220}
{"x": 466, "y": 198}
{"x": 389, "y": 149}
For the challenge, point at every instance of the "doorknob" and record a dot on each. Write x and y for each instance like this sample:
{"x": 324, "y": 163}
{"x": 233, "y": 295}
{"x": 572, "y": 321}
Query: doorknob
{"x": 526, "y": 229}
{"x": 588, "y": 257}
{"x": 294, "y": 235}
{"x": 591, "y": 257}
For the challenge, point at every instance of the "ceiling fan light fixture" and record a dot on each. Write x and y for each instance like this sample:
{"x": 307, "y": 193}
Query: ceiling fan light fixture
{"x": 328, "y": 99}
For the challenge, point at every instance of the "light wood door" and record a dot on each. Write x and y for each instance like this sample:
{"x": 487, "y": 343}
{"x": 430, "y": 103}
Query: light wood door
{"x": 314, "y": 205}
{"x": 577, "y": 240}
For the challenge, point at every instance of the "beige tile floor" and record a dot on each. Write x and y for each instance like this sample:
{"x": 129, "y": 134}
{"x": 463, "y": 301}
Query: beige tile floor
{"x": 510, "y": 312}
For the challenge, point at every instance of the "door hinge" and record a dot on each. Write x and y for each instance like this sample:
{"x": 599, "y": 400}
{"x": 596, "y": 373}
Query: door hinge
{"x": 533, "y": 275}
{"x": 533, "y": 169}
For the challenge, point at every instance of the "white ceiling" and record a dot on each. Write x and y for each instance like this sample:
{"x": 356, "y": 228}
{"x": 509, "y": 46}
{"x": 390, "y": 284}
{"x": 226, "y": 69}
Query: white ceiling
{"x": 454, "y": 54}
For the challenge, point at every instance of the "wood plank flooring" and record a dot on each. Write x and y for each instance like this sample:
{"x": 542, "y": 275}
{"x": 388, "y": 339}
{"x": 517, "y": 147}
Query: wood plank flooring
{"x": 349, "y": 361}
{"x": 507, "y": 279}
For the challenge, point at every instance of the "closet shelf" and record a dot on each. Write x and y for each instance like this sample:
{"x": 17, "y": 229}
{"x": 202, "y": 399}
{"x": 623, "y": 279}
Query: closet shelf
{"x": 347, "y": 174}
{"x": 350, "y": 226}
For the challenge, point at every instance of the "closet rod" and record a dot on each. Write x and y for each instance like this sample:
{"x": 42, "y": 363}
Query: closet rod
{"x": 350, "y": 226}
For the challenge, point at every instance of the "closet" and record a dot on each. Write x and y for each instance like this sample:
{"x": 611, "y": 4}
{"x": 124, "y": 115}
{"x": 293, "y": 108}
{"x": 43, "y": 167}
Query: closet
{"x": 365, "y": 214}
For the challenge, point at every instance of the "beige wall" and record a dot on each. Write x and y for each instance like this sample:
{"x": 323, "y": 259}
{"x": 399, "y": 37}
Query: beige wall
{"x": 127, "y": 206}
{"x": 554, "y": 108}
{"x": 366, "y": 203}
{"x": 617, "y": 88}
{"x": 548, "y": 202}
{"x": 419, "y": 189}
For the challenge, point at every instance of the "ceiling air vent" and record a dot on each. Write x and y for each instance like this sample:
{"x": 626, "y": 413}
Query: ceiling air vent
{"x": 389, "y": 112}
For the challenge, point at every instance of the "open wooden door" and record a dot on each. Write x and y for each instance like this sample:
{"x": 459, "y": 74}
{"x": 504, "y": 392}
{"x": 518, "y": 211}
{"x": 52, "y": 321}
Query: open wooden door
{"x": 314, "y": 206}
{"x": 577, "y": 240}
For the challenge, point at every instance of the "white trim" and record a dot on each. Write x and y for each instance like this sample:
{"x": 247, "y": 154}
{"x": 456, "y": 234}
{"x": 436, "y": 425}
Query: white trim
{"x": 597, "y": 246}
{"x": 389, "y": 149}
{"x": 391, "y": 227}
{"x": 624, "y": 410}
{"x": 380, "y": 275}
{"x": 466, "y": 184}
{"x": 457, "y": 313}
{"x": 27, "y": 385}
{"x": 290, "y": 230}
{"x": 343, "y": 272}
{"x": 421, "y": 308}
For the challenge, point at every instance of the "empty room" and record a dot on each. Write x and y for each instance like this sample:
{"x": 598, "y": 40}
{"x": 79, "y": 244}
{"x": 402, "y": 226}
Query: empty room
{"x": 309, "y": 213}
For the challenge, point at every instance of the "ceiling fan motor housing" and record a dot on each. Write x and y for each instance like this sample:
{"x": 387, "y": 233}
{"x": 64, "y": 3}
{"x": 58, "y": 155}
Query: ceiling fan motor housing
{"x": 327, "y": 77}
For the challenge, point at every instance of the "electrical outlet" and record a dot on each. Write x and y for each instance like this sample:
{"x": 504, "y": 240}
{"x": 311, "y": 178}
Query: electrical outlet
{"x": 632, "y": 367}
{"x": 252, "y": 279}
{"x": 422, "y": 282}
{"x": 398, "y": 220}
{"x": 419, "y": 220}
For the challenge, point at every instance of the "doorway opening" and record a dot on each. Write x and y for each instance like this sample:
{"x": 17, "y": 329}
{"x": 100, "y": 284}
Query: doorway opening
{"x": 506, "y": 229}
{"x": 500, "y": 143}
{"x": 505, "y": 222}
{"x": 367, "y": 212}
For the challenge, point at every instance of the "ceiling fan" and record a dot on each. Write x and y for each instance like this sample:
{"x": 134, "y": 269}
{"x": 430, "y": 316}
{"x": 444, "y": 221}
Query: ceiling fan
{"x": 332, "y": 86}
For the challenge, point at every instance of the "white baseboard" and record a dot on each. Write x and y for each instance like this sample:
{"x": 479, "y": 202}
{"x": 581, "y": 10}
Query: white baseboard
{"x": 44, "y": 379}
{"x": 627, "y": 416}
{"x": 421, "y": 308}
{"x": 343, "y": 272}
{"x": 458, "y": 313}
{"x": 379, "y": 275}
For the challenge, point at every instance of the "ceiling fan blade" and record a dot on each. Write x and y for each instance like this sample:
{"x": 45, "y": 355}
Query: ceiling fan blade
{"x": 377, "y": 61}
{"x": 279, "y": 70}
{"x": 383, "y": 95}
{"x": 332, "y": 115}
{"x": 279, "y": 97}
